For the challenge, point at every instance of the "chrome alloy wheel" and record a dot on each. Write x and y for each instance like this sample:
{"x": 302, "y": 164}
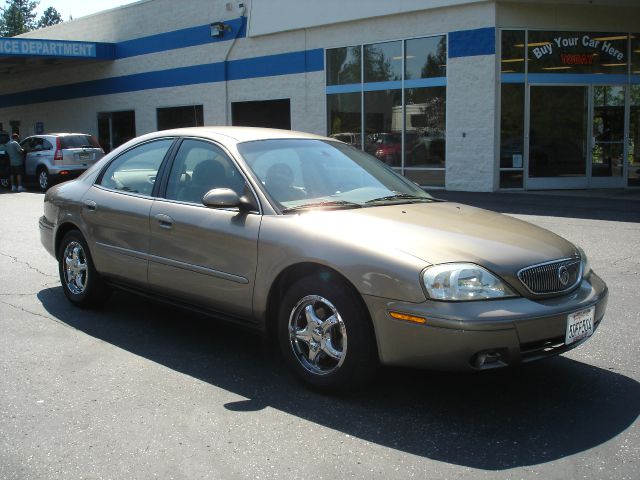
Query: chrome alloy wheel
{"x": 318, "y": 335}
{"x": 75, "y": 268}
{"x": 43, "y": 179}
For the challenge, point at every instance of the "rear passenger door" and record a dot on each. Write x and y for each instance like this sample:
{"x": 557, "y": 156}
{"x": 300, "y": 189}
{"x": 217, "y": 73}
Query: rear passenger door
{"x": 202, "y": 255}
{"x": 116, "y": 211}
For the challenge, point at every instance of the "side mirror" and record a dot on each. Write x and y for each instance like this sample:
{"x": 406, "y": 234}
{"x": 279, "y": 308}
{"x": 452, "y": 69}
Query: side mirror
{"x": 225, "y": 198}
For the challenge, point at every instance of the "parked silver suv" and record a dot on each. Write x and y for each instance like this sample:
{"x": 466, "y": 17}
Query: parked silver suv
{"x": 59, "y": 156}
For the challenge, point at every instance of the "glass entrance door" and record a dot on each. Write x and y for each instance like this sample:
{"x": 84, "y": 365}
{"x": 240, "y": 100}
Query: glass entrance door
{"x": 558, "y": 137}
{"x": 607, "y": 136}
{"x": 576, "y": 137}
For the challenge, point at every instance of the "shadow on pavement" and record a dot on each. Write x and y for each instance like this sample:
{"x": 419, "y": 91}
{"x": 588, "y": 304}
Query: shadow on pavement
{"x": 492, "y": 421}
{"x": 567, "y": 206}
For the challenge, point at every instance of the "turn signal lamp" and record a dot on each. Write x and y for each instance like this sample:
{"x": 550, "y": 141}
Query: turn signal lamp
{"x": 408, "y": 318}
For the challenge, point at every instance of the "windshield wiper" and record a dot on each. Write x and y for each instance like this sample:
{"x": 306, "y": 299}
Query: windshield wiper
{"x": 325, "y": 204}
{"x": 399, "y": 196}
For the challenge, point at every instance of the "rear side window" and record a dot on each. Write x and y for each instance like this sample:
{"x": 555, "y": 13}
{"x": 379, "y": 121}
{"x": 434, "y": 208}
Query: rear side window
{"x": 78, "y": 141}
{"x": 135, "y": 171}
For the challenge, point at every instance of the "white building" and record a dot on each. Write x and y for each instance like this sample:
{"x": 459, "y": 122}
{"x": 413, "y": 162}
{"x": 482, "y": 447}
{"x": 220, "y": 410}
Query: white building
{"x": 568, "y": 117}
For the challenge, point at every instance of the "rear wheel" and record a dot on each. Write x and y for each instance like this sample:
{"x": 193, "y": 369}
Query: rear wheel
{"x": 325, "y": 334}
{"x": 44, "y": 179}
{"x": 81, "y": 282}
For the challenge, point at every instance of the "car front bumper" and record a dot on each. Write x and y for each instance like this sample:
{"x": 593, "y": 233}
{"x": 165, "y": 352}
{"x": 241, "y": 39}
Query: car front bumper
{"x": 481, "y": 334}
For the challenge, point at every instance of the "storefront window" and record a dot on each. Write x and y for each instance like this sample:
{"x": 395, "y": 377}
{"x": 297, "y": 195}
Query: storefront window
{"x": 512, "y": 134}
{"x": 634, "y": 137}
{"x": 512, "y": 51}
{"x": 383, "y": 125}
{"x": 426, "y": 57}
{"x": 577, "y": 52}
{"x": 343, "y": 65}
{"x": 178, "y": 117}
{"x": 344, "y": 119}
{"x": 425, "y": 127}
{"x": 383, "y": 62}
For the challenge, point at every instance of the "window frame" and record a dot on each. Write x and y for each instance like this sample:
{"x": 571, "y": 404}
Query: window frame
{"x": 163, "y": 181}
{"x": 159, "y": 176}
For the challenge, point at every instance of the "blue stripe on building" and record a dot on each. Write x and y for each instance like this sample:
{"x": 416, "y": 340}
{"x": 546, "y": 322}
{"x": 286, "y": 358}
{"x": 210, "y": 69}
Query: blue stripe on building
{"x": 469, "y": 43}
{"x": 187, "y": 37}
{"x": 266, "y": 66}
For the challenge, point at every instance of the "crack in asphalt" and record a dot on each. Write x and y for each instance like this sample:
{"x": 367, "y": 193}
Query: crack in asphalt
{"x": 22, "y": 309}
{"x": 15, "y": 259}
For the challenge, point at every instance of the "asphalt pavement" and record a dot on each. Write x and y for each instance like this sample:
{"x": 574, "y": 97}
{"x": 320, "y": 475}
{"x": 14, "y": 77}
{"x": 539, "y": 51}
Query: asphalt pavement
{"x": 137, "y": 390}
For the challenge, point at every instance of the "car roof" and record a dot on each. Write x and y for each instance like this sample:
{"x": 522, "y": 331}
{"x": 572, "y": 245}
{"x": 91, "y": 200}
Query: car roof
{"x": 239, "y": 134}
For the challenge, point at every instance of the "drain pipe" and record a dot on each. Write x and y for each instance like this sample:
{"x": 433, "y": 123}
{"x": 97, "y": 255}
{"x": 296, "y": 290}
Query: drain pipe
{"x": 227, "y": 107}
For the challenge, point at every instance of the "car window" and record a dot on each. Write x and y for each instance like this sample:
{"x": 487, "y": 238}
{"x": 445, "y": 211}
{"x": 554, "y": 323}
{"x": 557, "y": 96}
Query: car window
{"x": 136, "y": 169}
{"x": 299, "y": 172}
{"x": 78, "y": 141}
{"x": 38, "y": 144}
{"x": 26, "y": 144}
{"x": 201, "y": 166}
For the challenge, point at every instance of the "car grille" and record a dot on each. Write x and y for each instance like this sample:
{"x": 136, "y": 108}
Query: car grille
{"x": 547, "y": 278}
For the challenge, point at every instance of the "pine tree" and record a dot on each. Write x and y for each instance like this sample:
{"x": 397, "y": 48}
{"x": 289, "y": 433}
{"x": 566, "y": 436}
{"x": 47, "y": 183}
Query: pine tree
{"x": 50, "y": 17}
{"x": 17, "y": 17}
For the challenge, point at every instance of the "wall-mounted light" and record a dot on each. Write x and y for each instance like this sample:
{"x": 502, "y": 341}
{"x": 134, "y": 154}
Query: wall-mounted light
{"x": 218, "y": 29}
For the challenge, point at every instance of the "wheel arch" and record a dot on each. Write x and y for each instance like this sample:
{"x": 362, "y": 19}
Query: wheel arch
{"x": 61, "y": 231}
{"x": 290, "y": 275}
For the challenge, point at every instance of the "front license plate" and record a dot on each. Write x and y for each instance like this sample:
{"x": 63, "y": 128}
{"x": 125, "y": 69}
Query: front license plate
{"x": 579, "y": 325}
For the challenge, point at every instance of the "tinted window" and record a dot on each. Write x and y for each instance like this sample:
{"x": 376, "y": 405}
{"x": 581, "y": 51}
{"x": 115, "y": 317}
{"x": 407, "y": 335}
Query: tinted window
{"x": 343, "y": 65}
{"x": 78, "y": 141}
{"x": 426, "y": 57}
{"x": 178, "y": 117}
{"x": 135, "y": 170}
{"x": 199, "y": 167}
{"x": 383, "y": 62}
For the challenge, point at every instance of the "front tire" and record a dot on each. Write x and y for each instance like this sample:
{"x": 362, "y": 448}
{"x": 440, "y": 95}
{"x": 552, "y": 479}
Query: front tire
{"x": 325, "y": 334}
{"x": 81, "y": 282}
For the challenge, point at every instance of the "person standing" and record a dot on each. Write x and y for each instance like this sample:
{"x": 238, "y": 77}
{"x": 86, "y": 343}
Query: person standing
{"x": 16, "y": 159}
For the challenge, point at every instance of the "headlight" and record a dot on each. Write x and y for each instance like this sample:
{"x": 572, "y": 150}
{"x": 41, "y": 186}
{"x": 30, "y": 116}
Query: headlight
{"x": 586, "y": 268}
{"x": 463, "y": 281}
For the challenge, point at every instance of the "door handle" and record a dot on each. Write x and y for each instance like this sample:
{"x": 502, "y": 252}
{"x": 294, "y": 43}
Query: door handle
{"x": 165, "y": 221}
{"x": 90, "y": 205}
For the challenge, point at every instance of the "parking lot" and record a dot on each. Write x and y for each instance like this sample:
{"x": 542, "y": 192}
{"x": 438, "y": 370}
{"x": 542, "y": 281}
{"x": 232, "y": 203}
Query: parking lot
{"x": 140, "y": 390}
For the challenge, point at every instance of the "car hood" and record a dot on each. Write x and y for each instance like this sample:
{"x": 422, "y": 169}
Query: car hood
{"x": 444, "y": 232}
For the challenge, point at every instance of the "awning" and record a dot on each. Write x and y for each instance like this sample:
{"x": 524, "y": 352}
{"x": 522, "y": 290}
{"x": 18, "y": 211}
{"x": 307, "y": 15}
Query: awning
{"x": 19, "y": 52}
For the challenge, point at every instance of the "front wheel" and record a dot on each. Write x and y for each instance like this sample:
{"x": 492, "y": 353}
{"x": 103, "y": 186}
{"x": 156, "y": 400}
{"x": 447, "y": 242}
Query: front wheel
{"x": 325, "y": 334}
{"x": 81, "y": 282}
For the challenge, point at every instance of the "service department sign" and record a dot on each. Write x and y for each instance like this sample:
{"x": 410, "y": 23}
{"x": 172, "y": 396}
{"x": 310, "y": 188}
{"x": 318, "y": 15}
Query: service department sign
{"x": 46, "y": 48}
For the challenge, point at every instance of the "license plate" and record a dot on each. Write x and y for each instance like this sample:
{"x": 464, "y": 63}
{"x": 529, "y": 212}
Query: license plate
{"x": 579, "y": 325}
{"x": 85, "y": 156}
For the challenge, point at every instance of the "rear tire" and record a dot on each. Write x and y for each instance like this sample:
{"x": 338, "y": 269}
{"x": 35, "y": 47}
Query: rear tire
{"x": 326, "y": 336}
{"x": 81, "y": 282}
{"x": 44, "y": 179}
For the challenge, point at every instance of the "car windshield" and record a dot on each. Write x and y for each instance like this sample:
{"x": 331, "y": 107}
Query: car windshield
{"x": 303, "y": 174}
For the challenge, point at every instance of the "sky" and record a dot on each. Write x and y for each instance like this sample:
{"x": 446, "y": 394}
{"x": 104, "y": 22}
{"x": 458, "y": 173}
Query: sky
{"x": 79, "y": 8}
